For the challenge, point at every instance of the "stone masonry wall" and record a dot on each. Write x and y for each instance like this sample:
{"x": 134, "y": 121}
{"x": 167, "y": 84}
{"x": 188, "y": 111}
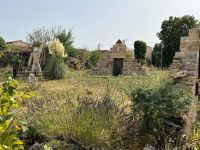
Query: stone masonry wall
{"x": 184, "y": 70}
{"x": 119, "y": 50}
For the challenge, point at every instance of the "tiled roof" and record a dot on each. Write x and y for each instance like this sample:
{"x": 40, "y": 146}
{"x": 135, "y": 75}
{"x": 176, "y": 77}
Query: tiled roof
{"x": 20, "y": 45}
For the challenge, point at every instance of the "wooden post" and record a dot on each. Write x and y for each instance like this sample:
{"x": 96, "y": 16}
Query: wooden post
{"x": 14, "y": 71}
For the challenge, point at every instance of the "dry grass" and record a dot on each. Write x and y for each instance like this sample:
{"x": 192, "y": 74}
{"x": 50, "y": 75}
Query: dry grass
{"x": 78, "y": 83}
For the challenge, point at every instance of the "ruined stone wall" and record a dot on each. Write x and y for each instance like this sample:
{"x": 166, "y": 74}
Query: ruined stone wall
{"x": 184, "y": 70}
{"x": 119, "y": 50}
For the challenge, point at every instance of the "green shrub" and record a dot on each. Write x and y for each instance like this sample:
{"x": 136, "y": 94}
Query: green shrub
{"x": 86, "y": 122}
{"x": 159, "y": 105}
{"x": 11, "y": 58}
{"x": 95, "y": 57}
{"x": 56, "y": 69}
{"x": 9, "y": 123}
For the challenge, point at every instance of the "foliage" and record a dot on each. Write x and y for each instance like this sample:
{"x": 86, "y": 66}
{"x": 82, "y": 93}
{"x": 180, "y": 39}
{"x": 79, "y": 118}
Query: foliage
{"x": 156, "y": 106}
{"x": 148, "y": 61}
{"x": 56, "y": 68}
{"x": 9, "y": 123}
{"x": 170, "y": 34}
{"x": 139, "y": 50}
{"x": 66, "y": 38}
{"x": 84, "y": 56}
{"x": 88, "y": 58}
{"x": 5, "y": 73}
{"x": 44, "y": 35}
{"x": 2, "y": 44}
{"x": 84, "y": 122}
{"x": 41, "y": 35}
{"x": 11, "y": 58}
{"x": 156, "y": 55}
{"x": 95, "y": 57}
{"x": 36, "y": 44}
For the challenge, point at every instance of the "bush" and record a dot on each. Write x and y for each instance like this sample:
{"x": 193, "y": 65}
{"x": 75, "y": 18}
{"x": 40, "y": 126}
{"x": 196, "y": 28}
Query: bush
{"x": 158, "y": 106}
{"x": 95, "y": 57}
{"x": 85, "y": 123}
{"x": 9, "y": 123}
{"x": 56, "y": 69}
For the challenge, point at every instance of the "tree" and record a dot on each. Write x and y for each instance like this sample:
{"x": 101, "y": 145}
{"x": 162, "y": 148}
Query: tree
{"x": 66, "y": 38}
{"x": 2, "y": 43}
{"x": 170, "y": 34}
{"x": 156, "y": 55}
{"x": 140, "y": 50}
{"x": 42, "y": 35}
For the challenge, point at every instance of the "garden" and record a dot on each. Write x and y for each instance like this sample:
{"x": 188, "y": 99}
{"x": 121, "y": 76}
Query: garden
{"x": 60, "y": 106}
{"x": 94, "y": 112}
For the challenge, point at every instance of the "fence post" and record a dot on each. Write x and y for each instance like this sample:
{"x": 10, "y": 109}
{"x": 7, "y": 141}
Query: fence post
{"x": 14, "y": 71}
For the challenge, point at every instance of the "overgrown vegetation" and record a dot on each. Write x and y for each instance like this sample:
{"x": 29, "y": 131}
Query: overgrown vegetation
{"x": 56, "y": 69}
{"x": 85, "y": 123}
{"x": 78, "y": 119}
{"x": 10, "y": 123}
{"x": 161, "y": 109}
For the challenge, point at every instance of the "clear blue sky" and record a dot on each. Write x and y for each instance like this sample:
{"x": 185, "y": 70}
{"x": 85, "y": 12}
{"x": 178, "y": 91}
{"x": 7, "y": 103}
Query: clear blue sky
{"x": 93, "y": 21}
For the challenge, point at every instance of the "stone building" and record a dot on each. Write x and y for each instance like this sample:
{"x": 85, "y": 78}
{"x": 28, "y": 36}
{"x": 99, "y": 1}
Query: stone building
{"x": 118, "y": 61}
{"x": 149, "y": 51}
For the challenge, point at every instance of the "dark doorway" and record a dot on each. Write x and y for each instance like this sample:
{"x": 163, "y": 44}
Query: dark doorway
{"x": 117, "y": 66}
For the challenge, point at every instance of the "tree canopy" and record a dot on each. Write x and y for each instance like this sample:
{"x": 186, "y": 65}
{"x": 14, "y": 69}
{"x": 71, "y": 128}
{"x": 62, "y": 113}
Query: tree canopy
{"x": 171, "y": 31}
{"x": 67, "y": 39}
{"x": 139, "y": 49}
{"x": 156, "y": 55}
{"x": 2, "y": 43}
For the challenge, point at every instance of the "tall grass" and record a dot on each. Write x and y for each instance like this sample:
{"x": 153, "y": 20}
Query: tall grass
{"x": 86, "y": 122}
{"x": 56, "y": 69}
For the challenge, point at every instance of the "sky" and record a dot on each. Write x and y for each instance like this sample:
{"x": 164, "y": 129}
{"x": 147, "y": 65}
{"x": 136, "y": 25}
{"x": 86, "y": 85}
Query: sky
{"x": 93, "y": 21}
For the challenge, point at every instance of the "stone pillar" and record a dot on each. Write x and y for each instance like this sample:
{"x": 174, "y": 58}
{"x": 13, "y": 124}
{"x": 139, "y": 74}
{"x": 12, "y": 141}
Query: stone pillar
{"x": 184, "y": 70}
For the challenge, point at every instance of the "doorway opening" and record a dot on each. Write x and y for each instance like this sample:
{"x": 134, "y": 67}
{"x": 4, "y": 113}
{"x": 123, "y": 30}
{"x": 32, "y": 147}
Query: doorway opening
{"x": 117, "y": 66}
